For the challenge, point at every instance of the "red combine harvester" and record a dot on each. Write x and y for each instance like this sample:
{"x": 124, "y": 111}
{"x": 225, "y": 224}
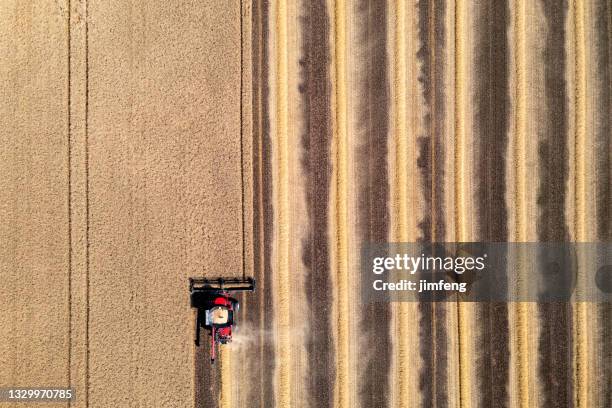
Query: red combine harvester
{"x": 216, "y": 308}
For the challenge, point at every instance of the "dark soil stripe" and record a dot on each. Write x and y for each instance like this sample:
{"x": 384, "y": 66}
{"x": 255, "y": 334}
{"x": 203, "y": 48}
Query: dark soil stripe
{"x": 492, "y": 119}
{"x": 434, "y": 354}
{"x": 492, "y": 101}
{"x": 556, "y": 357}
{"x": 431, "y": 37}
{"x": 553, "y": 154}
{"x": 373, "y": 109}
{"x": 494, "y": 364}
{"x": 315, "y": 93}
{"x": 602, "y": 12}
{"x": 555, "y": 346}
{"x": 207, "y": 376}
{"x": 258, "y": 305}
{"x": 432, "y": 328}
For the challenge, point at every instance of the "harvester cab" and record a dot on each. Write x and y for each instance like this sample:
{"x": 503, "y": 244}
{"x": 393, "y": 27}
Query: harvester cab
{"x": 216, "y": 308}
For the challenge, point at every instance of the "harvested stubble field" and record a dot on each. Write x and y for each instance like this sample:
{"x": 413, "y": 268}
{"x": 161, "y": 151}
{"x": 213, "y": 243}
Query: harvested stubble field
{"x": 142, "y": 141}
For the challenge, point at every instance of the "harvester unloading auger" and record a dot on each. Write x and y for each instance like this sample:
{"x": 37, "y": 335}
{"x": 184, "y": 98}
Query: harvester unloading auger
{"x": 216, "y": 308}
